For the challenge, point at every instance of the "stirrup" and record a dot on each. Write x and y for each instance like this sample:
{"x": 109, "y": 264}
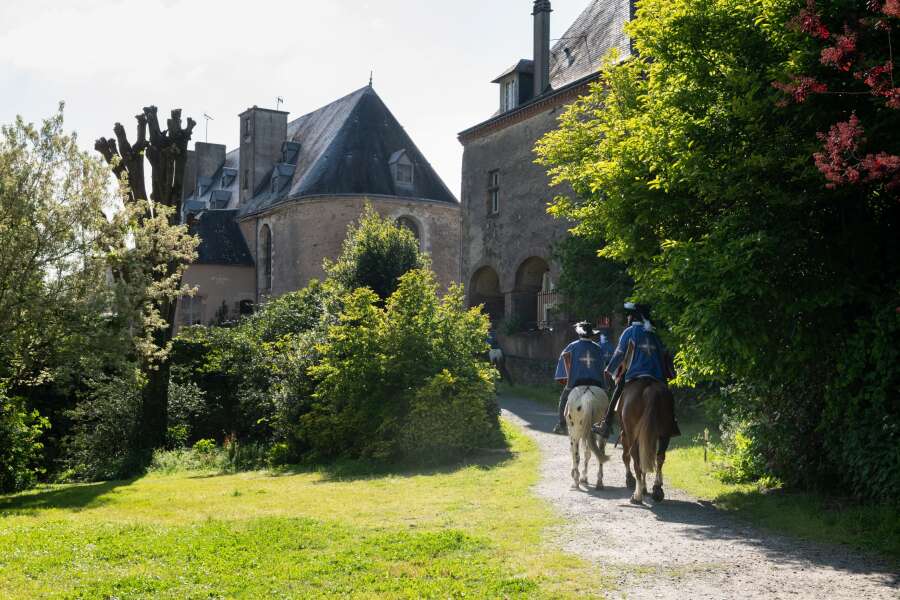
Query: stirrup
{"x": 602, "y": 429}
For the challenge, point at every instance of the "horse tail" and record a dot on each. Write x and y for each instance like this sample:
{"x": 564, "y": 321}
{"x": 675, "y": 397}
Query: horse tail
{"x": 598, "y": 412}
{"x": 648, "y": 434}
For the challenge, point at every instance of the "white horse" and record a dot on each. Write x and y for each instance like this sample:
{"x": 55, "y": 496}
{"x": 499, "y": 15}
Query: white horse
{"x": 586, "y": 406}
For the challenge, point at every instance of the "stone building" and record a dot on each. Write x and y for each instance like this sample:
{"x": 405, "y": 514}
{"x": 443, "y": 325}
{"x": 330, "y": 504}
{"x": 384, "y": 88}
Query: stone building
{"x": 268, "y": 212}
{"x": 507, "y": 259}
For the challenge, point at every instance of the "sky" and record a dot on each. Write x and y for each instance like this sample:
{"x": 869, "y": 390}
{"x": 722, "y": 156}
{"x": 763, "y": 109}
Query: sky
{"x": 433, "y": 61}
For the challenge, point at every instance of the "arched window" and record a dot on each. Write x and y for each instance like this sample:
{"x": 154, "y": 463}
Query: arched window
{"x": 266, "y": 258}
{"x": 409, "y": 223}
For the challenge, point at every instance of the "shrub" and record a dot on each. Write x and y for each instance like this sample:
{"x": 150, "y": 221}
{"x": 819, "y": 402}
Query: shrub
{"x": 20, "y": 448}
{"x": 104, "y": 442}
{"x": 449, "y": 417}
{"x": 383, "y": 368}
{"x": 861, "y": 420}
{"x": 376, "y": 252}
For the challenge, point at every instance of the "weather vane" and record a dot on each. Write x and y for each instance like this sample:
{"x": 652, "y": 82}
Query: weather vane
{"x": 278, "y": 102}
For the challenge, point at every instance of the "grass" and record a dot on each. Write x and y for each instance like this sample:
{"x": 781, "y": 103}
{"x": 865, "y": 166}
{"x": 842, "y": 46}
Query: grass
{"x": 471, "y": 530}
{"x": 872, "y": 528}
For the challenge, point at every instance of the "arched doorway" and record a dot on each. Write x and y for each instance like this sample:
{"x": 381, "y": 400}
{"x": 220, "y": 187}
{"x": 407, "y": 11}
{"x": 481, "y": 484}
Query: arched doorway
{"x": 484, "y": 288}
{"x": 532, "y": 278}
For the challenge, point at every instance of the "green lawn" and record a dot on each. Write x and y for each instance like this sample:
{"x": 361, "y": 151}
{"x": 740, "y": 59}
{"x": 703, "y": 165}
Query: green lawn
{"x": 470, "y": 531}
{"x": 809, "y": 516}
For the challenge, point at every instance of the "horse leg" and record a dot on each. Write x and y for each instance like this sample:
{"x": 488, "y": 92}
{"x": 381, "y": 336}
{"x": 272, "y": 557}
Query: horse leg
{"x": 573, "y": 446}
{"x": 626, "y": 458}
{"x": 585, "y": 447}
{"x": 641, "y": 485}
{"x": 658, "y": 494}
{"x": 600, "y": 457}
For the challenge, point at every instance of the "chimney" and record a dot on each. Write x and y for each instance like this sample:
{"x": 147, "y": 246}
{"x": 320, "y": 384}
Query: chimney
{"x": 541, "y": 14}
{"x": 209, "y": 158}
{"x": 262, "y": 132}
{"x": 189, "y": 181}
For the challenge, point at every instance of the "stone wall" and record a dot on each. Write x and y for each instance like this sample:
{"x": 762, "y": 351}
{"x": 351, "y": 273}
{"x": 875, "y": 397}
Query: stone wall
{"x": 216, "y": 284}
{"x": 306, "y": 231}
{"x": 522, "y": 229}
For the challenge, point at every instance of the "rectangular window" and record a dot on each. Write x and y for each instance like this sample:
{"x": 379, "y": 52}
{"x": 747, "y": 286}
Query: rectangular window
{"x": 404, "y": 174}
{"x": 246, "y": 179}
{"x": 191, "y": 310}
{"x": 510, "y": 95}
{"x": 494, "y": 192}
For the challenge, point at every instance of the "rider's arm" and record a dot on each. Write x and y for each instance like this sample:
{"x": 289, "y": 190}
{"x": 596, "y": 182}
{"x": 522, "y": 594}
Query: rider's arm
{"x": 619, "y": 355}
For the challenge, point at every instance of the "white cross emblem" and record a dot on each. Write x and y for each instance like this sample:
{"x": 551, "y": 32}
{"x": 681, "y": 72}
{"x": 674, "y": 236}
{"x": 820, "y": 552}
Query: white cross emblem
{"x": 647, "y": 348}
{"x": 587, "y": 360}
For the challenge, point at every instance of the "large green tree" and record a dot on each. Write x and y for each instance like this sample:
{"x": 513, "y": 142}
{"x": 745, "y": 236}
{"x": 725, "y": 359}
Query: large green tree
{"x": 688, "y": 161}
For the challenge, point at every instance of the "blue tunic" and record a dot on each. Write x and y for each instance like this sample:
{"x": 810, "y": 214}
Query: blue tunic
{"x": 648, "y": 358}
{"x": 607, "y": 350}
{"x": 586, "y": 364}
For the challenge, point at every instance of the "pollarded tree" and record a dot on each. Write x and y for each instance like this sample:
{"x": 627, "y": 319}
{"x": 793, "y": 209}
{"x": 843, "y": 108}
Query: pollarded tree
{"x": 152, "y": 270}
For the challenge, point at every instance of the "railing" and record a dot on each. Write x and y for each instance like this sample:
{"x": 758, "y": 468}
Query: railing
{"x": 546, "y": 301}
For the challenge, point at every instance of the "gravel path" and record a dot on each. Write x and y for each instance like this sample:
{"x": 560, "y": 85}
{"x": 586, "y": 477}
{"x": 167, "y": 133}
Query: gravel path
{"x": 683, "y": 548}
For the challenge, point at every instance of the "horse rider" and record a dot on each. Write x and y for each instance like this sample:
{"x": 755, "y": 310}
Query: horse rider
{"x": 607, "y": 349}
{"x": 651, "y": 359}
{"x": 580, "y": 363}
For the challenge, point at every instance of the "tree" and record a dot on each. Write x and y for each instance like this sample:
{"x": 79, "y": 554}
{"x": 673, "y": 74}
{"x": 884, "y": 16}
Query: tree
{"x": 592, "y": 285}
{"x": 375, "y": 253}
{"x": 686, "y": 159}
{"x": 52, "y": 275}
{"x": 160, "y": 258}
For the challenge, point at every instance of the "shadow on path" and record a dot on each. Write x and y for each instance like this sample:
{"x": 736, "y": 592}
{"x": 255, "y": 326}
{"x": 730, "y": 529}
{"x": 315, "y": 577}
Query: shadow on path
{"x": 702, "y": 521}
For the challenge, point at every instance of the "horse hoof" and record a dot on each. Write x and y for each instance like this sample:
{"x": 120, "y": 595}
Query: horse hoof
{"x": 599, "y": 486}
{"x": 630, "y": 481}
{"x": 583, "y": 482}
{"x": 575, "y": 487}
{"x": 657, "y": 493}
{"x": 635, "y": 501}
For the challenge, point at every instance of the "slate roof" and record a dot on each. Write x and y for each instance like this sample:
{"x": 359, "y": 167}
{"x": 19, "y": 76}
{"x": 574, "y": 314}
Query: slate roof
{"x": 598, "y": 29}
{"x": 196, "y": 203}
{"x": 523, "y": 66}
{"x": 221, "y": 240}
{"x": 345, "y": 148}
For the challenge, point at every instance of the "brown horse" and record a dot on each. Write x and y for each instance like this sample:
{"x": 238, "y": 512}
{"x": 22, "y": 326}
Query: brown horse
{"x": 646, "y": 415}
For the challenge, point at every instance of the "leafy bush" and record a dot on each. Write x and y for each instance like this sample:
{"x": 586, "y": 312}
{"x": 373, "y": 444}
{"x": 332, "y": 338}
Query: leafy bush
{"x": 20, "y": 448}
{"x": 450, "y": 416}
{"x": 104, "y": 442}
{"x": 861, "y": 421}
{"x": 381, "y": 369}
{"x": 376, "y": 252}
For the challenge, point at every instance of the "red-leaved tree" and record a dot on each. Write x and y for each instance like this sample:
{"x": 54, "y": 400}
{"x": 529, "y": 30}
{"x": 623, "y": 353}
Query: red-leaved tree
{"x": 851, "y": 65}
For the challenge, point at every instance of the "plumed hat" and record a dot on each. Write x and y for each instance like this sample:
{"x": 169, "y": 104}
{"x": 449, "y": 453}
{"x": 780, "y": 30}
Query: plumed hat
{"x": 584, "y": 329}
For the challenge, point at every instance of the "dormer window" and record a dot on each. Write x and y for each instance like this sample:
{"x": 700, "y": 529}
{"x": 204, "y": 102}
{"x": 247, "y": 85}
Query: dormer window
{"x": 516, "y": 85}
{"x": 402, "y": 169}
{"x": 228, "y": 176}
{"x": 510, "y": 94}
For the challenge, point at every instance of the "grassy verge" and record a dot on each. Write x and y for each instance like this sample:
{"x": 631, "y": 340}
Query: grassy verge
{"x": 805, "y": 515}
{"x": 472, "y": 530}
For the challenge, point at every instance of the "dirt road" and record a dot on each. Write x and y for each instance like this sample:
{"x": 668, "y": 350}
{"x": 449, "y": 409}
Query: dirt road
{"x": 682, "y": 548}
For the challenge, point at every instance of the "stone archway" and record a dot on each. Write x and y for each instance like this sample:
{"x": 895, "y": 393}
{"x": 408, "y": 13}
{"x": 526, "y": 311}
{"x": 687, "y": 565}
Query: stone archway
{"x": 531, "y": 279}
{"x": 484, "y": 288}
